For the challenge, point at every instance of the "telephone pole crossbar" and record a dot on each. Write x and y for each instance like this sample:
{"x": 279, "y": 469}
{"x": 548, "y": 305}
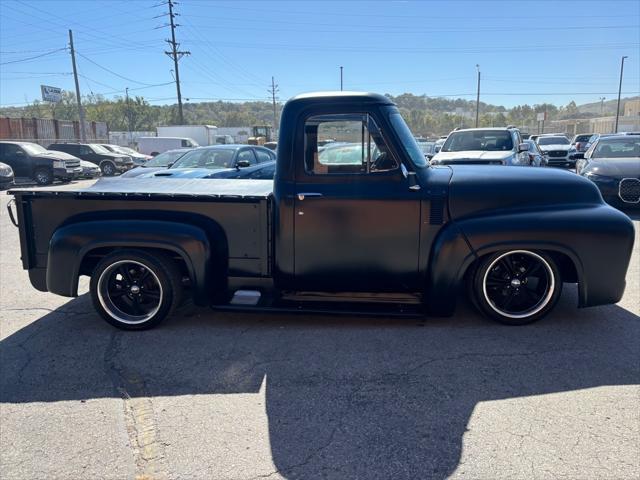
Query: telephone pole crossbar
{"x": 176, "y": 55}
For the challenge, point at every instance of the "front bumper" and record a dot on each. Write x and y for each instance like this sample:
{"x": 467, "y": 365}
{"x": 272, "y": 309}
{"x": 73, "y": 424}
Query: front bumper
{"x": 622, "y": 196}
{"x": 6, "y": 182}
{"x": 561, "y": 162}
{"x": 123, "y": 167}
{"x": 67, "y": 173}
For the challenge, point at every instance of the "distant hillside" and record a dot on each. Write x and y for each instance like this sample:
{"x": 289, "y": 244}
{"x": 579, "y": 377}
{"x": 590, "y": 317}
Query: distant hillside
{"x": 608, "y": 107}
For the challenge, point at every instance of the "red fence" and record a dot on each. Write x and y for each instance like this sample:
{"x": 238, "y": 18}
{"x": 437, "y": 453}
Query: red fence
{"x": 45, "y": 130}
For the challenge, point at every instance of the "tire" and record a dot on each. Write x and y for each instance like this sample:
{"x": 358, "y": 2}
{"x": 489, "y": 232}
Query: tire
{"x": 43, "y": 176}
{"x": 136, "y": 290}
{"x": 516, "y": 287}
{"x": 108, "y": 169}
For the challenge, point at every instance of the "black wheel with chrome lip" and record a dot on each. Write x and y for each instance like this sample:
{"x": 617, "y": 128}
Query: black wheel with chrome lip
{"x": 517, "y": 287}
{"x": 135, "y": 290}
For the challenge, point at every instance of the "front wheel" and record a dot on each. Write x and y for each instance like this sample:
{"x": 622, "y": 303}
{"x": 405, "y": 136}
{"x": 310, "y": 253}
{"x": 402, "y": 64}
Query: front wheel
{"x": 516, "y": 287}
{"x": 135, "y": 290}
{"x": 43, "y": 176}
{"x": 108, "y": 169}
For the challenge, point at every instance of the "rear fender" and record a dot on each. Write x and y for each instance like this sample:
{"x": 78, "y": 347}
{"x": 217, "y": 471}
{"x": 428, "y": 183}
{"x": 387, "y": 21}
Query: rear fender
{"x": 70, "y": 244}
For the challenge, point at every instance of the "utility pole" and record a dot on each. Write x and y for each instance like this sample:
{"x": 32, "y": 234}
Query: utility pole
{"x": 176, "y": 55}
{"x": 478, "y": 97}
{"x": 273, "y": 91}
{"x": 128, "y": 115}
{"x": 619, "y": 92}
{"x": 602, "y": 99}
{"x": 340, "y": 78}
{"x": 83, "y": 135}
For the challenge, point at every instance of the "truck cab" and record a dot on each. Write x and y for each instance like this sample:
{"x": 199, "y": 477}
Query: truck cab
{"x": 361, "y": 223}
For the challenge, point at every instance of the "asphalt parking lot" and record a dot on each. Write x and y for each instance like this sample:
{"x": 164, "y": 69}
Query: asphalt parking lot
{"x": 239, "y": 396}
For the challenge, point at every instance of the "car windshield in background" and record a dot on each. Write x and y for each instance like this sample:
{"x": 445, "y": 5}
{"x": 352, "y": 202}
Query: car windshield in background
{"x": 623, "y": 147}
{"x": 33, "y": 148}
{"x": 583, "y": 138}
{"x": 206, "y": 158}
{"x": 99, "y": 148}
{"x": 485, "y": 140}
{"x": 559, "y": 140}
{"x": 164, "y": 159}
{"x": 408, "y": 140}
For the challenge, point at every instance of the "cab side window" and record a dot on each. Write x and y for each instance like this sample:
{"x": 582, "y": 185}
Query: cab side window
{"x": 84, "y": 150}
{"x": 263, "y": 156}
{"x": 10, "y": 152}
{"x": 247, "y": 155}
{"x": 345, "y": 144}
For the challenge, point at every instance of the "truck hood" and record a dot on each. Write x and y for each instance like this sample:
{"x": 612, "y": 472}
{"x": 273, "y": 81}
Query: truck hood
{"x": 141, "y": 172}
{"x": 185, "y": 172}
{"x": 617, "y": 168}
{"x": 547, "y": 148}
{"x": 477, "y": 190}
{"x": 55, "y": 155}
{"x": 471, "y": 155}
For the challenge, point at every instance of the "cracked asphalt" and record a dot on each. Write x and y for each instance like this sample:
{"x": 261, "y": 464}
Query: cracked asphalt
{"x": 237, "y": 396}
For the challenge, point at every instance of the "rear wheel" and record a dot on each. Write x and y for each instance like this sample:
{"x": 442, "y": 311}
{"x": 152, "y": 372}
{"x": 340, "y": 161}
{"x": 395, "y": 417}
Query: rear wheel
{"x": 108, "y": 169}
{"x": 135, "y": 290}
{"x": 516, "y": 287}
{"x": 43, "y": 176}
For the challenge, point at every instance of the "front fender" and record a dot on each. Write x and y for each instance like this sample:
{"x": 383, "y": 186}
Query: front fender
{"x": 597, "y": 239}
{"x": 70, "y": 244}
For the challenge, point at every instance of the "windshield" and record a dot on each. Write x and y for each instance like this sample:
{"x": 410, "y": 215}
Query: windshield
{"x": 164, "y": 159}
{"x": 98, "y": 148}
{"x": 625, "y": 147}
{"x": 553, "y": 140}
{"x": 33, "y": 148}
{"x": 206, "y": 158}
{"x": 408, "y": 140}
{"x": 485, "y": 140}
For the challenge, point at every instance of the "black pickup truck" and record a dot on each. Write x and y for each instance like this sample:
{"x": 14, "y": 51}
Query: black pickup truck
{"x": 363, "y": 224}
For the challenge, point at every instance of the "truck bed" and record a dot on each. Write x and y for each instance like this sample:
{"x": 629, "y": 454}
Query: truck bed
{"x": 236, "y": 214}
{"x": 145, "y": 187}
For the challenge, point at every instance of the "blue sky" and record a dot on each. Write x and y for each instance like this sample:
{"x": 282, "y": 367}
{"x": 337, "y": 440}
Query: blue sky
{"x": 528, "y": 52}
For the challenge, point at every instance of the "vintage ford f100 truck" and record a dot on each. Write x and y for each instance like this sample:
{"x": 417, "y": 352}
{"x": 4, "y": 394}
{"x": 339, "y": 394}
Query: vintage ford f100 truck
{"x": 355, "y": 220}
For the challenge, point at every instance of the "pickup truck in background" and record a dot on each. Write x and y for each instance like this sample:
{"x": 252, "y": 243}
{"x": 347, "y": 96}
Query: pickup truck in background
{"x": 368, "y": 227}
{"x": 33, "y": 161}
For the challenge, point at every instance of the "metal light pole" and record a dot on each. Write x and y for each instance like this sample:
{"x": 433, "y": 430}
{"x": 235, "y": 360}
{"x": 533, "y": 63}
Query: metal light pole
{"x": 340, "y": 78}
{"x": 478, "y": 97}
{"x": 619, "y": 92}
{"x": 602, "y": 99}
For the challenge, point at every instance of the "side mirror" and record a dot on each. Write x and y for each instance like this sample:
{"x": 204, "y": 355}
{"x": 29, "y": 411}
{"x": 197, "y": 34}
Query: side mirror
{"x": 243, "y": 163}
{"x": 523, "y": 147}
{"x": 170, "y": 164}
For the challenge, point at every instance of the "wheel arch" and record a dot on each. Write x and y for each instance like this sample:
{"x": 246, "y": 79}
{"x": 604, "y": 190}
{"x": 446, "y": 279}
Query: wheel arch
{"x": 73, "y": 245}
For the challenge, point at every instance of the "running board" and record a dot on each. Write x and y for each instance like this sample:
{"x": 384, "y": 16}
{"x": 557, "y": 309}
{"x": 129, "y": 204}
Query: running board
{"x": 253, "y": 301}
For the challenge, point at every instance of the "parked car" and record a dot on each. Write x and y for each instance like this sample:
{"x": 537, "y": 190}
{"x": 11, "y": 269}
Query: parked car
{"x": 262, "y": 171}
{"x": 317, "y": 237}
{"x": 155, "y": 145}
{"x": 110, "y": 163}
{"x": 89, "y": 170}
{"x": 581, "y": 144}
{"x": 6, "y": 176}
{"x": 536, "y": 157}
{"x": 159, "y": 162}
{"x": 613, "y": 164}
{"x": 483, "y": 146}
{"x": 224, "y": 160}
{"x": 137, "y": 157}
{"x": 558, "y": 149}
{"x": 33, "y": 161}
{"x": 428, "y": 148}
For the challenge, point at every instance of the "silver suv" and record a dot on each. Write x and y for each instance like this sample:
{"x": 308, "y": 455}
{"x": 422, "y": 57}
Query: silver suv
{"x": 483, "y": 146}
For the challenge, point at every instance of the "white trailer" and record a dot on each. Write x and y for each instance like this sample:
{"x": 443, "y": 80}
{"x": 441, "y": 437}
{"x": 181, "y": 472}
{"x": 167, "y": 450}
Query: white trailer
{"x": 155, "y": 145}
{"x": 203, "y": 134}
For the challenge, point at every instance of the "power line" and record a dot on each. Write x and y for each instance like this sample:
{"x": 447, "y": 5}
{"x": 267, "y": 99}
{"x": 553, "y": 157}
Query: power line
{"x": 111, "y": 71}
{"x": 34, "y": 57}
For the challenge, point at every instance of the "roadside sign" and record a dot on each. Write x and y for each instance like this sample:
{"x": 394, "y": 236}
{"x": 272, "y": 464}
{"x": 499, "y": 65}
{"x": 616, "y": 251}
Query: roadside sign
{"x": 542, "y": 116}
{"x": 51, "y": 94}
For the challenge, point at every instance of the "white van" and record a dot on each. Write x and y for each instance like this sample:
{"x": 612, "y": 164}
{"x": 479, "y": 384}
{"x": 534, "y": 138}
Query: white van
{"x": 155, "y": 145}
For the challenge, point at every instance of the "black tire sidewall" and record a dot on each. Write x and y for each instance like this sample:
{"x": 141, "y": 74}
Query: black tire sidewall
{"x": 46, "y": 172}
{"x": 161, "y": 265}
{"x": 482, "y": 304}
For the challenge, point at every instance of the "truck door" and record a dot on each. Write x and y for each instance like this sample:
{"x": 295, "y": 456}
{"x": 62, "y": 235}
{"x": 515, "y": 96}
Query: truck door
{"x": 357, "y": 220}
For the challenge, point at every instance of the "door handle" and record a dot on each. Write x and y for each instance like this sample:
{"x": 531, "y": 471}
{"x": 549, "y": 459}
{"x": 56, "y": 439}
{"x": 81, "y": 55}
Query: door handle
{"x": 302, "y": 195}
